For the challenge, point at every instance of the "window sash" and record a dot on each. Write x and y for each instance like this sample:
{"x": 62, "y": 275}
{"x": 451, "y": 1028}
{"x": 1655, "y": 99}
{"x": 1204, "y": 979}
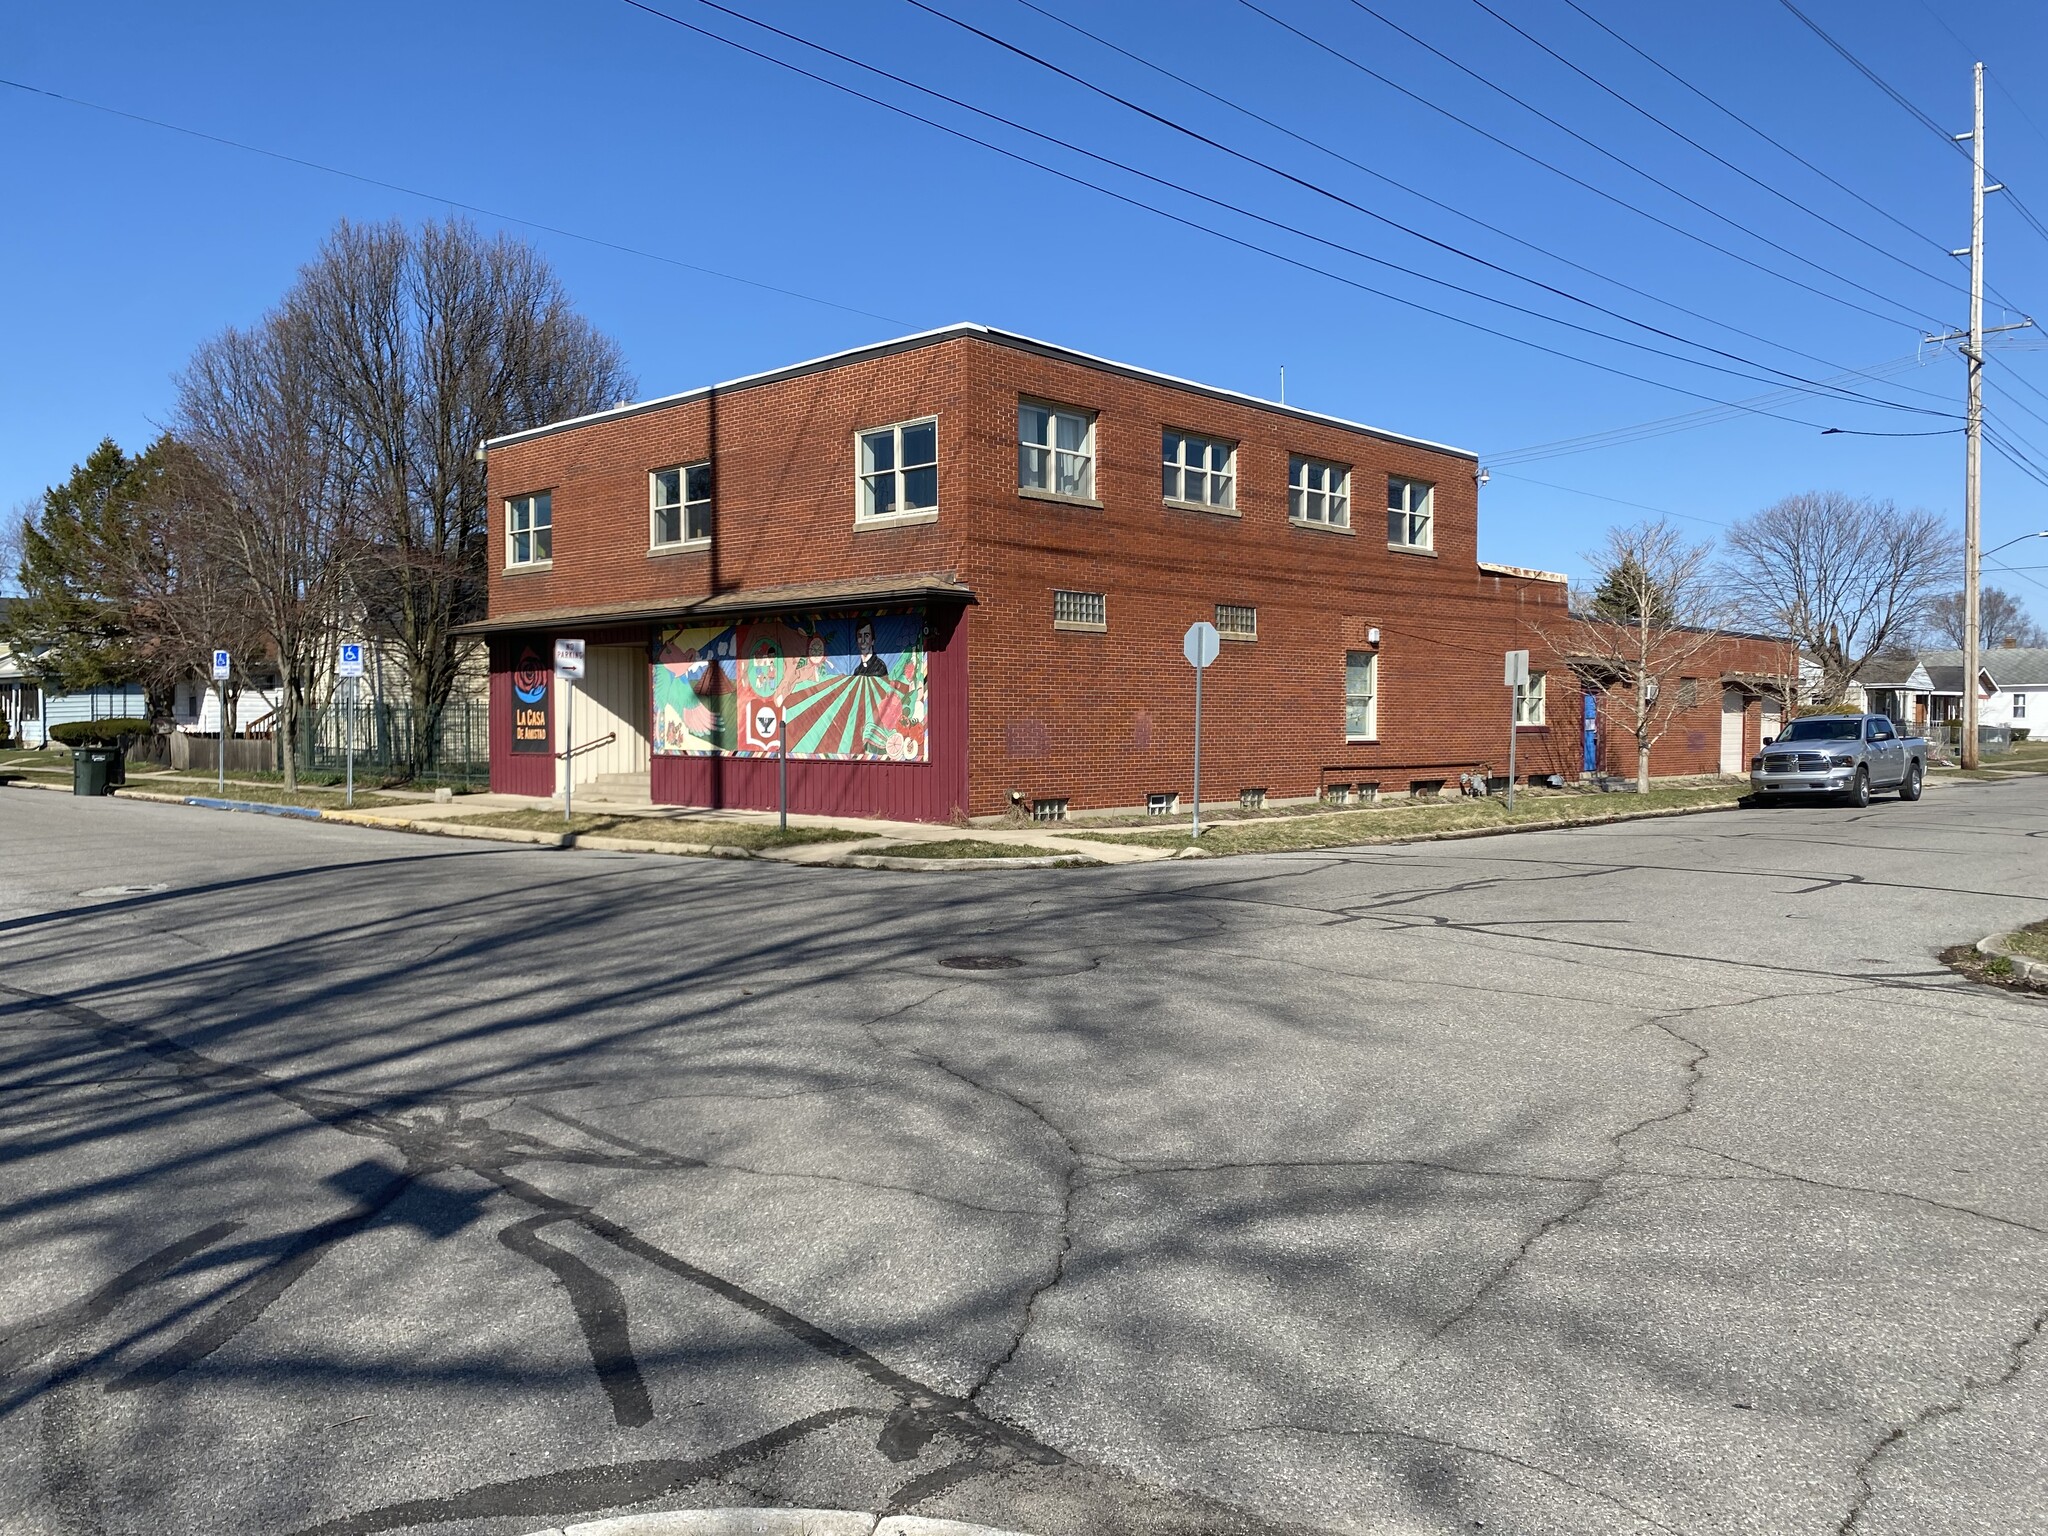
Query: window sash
{"x": 1056, "y": 451}
{"x": 1319, "y": 492}
{"x": 1411, "y": 506}
{"x": 899, "y": 468}
{"x": 1530, "y": 698}
{"x": 1361, "y": 695}
{"x": 680, "y": 500}
{"x": 529, "y": 528}
{"x": 1201, "y": 471}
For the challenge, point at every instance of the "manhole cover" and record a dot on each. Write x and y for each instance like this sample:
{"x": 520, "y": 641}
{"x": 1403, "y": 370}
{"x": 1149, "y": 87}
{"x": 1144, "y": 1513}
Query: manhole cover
{"x": 981, "y": 962}
{"x": 124, "y": 890}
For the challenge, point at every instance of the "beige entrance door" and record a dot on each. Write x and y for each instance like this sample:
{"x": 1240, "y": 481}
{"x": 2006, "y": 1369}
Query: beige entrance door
{"x": 1732, "y": 702}
{"x": 612, "y": 701}
{"x": 1774, "y": 718}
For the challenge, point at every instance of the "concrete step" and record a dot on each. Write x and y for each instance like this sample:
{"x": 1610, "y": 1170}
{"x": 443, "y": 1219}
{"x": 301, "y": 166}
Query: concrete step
{"x": 618, "y": 788}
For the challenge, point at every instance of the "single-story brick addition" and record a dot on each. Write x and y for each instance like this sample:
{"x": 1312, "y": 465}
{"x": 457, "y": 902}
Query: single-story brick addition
{"x": 961, "y": 565}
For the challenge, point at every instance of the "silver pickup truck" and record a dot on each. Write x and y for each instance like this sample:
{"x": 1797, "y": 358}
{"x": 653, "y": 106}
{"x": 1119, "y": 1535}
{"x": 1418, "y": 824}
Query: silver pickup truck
{"x": 1845, "y": 755}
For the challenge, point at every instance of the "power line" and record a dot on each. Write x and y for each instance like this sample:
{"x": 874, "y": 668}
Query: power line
{"x": 1311, "y": 186}
{"x": 1719, "y": 159}
{"x": 1606, "y": 153}
{"x": 1573, "y": 490}
{"x": 1434, "y": 202}
{"x": 436, "y": 197}
{"x": 1191, "y": 192}
{"x": 1565, "y": 175}
{"x": 1778, "y": 144}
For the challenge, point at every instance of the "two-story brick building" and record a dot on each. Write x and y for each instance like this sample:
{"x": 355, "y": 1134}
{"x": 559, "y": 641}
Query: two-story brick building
{"x": 962, "y": 564}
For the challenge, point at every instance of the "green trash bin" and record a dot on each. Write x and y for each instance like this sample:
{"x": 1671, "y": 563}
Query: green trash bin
{"x": 92, "y": 770}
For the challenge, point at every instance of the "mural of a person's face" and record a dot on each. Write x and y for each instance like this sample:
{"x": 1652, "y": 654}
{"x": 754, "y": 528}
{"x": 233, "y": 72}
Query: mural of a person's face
{"x": 864, "y": 640}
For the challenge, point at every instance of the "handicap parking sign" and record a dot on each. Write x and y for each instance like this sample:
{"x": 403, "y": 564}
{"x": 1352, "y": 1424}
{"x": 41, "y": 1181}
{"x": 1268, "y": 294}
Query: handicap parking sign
{"x": 351, "y": 664}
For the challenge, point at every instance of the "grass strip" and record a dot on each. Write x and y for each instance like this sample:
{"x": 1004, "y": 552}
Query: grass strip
{"x": 1342, "y": 828}
{"x": 658, "y": 829}
{"x": 974, "y": 848}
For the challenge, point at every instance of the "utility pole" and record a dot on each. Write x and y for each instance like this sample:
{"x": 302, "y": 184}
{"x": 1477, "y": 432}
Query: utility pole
{"x": 1973, "y": 474}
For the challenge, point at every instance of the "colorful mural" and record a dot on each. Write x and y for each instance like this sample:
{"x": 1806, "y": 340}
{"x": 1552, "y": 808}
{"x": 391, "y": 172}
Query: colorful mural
{"x": 853, "y": 684}
{"x": 530, "y": 688}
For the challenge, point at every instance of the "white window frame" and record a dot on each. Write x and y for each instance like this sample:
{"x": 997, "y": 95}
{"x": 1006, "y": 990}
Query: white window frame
{"x": 1248, "y": 632}
{"x": 1418, "y": 523}
{"x": 1328, "y": 506}
{"x": 1052, "y": 455}
{"x": 1086, "y": 626}
{"x": 1532, "y": 700}
{"x": 681, "y": 507}
{"x": 531, "y": 531}
{"x": 2019, "y": 703}
{"x": 901, "y": 511}
{"x": 1180, "y": 468}
{"x": 1369, "y": 700}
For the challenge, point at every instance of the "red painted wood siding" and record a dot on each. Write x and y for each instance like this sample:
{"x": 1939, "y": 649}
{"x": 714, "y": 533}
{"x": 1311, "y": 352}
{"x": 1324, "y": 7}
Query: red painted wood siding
{"x": 515, "y": 773}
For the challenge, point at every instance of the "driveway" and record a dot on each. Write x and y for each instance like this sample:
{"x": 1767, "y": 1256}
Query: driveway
{"x": 1643, "y": 1178}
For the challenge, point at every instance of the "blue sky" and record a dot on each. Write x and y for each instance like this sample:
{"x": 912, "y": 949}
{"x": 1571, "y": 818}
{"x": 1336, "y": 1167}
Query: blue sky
{"x": 128, "y": 243}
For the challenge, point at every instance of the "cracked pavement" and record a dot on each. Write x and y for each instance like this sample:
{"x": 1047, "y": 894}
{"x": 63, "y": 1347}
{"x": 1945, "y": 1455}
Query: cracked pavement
{"x": 1643, "y": 1178}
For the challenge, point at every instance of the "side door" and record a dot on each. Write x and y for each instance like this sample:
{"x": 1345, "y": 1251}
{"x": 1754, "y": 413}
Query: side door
{"x": 1883, "y": 752}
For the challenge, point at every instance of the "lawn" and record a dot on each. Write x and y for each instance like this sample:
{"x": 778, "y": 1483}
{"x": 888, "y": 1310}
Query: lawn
{"x": 659, "y": 829}
{"x": 265, "y": 794}
{"x": 1342, "y": 828}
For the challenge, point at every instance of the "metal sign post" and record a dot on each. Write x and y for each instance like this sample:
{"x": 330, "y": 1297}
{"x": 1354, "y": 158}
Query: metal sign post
{"x": 782, "y": 763}
{"x": 568, "y": 671}
{"x": 349, "y": 667}
{"x": 1200, "y": 646}
{"x": 1516, "y": 674}
{"x": 221, "y": 665}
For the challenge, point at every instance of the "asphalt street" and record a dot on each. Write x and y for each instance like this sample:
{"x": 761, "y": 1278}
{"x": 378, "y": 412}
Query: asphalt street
{"x": 1641, "y": 1178}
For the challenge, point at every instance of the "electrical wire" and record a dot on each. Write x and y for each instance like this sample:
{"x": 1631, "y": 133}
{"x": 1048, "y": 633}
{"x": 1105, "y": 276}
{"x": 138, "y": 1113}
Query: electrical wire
{"x": 1778, "y": 192}
{"x": 1191, "y": 192}
{"x": 446, "y": 201}
{"x": 1578, "y": 181}
{"x": 1606, "y": 153}
{"x": 1434, "y": 202}
{"x": 1307, "y": 185}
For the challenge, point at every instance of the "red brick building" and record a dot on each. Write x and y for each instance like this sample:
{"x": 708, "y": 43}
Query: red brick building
{"x": 963, "y": 563}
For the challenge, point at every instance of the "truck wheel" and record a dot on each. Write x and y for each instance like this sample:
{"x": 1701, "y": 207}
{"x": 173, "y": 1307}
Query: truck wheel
{"x": 1910, "y": 790}
{"x": 1859, "y": 792}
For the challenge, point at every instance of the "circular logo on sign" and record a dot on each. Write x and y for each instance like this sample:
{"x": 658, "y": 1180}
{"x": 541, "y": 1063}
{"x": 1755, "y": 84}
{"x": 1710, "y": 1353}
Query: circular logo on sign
{"x": 530, "y": 681}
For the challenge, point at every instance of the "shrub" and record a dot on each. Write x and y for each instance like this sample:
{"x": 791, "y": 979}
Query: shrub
{"x": 2020, "y": 733}
{"x": 116, "y": 732}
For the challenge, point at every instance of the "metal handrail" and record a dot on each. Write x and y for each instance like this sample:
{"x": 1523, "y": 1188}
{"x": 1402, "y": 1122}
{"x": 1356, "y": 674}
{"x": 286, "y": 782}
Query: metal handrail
{"x": 590, "y": 746}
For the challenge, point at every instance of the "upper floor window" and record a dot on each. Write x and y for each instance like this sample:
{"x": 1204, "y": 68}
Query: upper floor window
{"x": 2019, "y": 705}
{"x": 1056, "y": 451}
{"x": 1199, "y": 471}
{"x": 1361, "y": 695}
{"x": 680, "y": 501}
{"x": 1529, "y": 700}
{"x": 1318, "y": 492}
{"x": 530, "y": 529}
{"x": 1410, "y": 513}
{"x": 899, "y": 469}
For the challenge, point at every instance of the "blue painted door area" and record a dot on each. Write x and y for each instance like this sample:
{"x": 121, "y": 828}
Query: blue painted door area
{"x": 1592, "y": 733}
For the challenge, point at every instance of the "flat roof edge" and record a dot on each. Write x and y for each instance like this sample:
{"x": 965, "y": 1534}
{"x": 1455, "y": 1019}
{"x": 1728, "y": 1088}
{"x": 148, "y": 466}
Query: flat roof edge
{"x": 995, "y": 337}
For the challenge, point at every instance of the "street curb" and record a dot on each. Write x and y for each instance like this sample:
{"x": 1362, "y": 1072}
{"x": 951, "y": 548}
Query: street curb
{"x": 2024, "y": 967}
{"x": 600, "y": 841}
{"x": 771, "y": 1522}
{"x": 254, "y": 807}
{"x": 925, "y": 866}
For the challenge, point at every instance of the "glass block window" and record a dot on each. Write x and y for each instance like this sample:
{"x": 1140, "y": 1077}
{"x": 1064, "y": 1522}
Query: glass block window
{"x": 1080, "y": 610}
{"x": 1236, "y": 621}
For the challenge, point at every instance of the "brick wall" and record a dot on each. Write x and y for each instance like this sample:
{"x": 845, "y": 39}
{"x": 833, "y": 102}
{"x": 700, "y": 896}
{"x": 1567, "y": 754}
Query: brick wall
{"x": 1101, "y": 720}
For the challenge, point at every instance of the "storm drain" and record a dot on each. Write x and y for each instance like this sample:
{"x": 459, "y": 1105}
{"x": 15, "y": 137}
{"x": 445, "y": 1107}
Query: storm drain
{"x": 981, "y": 962}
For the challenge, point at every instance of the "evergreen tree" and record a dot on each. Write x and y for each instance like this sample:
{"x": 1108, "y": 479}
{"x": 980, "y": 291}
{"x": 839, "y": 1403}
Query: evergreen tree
{"x": 71, "y": 623}
{"x": 1626, "y": 590}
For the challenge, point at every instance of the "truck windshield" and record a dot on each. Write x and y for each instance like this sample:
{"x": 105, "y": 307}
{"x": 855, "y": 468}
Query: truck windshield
{"x": 1823, "y": 730}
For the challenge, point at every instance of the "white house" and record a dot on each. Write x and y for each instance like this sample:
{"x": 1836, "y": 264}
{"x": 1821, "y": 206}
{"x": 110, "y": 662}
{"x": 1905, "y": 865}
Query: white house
{"x": 2012, "y": 684}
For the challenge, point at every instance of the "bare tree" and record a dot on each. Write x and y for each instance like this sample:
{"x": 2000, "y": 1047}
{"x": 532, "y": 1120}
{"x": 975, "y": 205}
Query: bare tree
{"x": 279, "y": 498}
{"x": 1846, "y": 575}
{"x": 2002, "y": 620}
{"x": 1651, "y": 611}
{"x": 14, "y": 523}
{"x": 431, "y": 341}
